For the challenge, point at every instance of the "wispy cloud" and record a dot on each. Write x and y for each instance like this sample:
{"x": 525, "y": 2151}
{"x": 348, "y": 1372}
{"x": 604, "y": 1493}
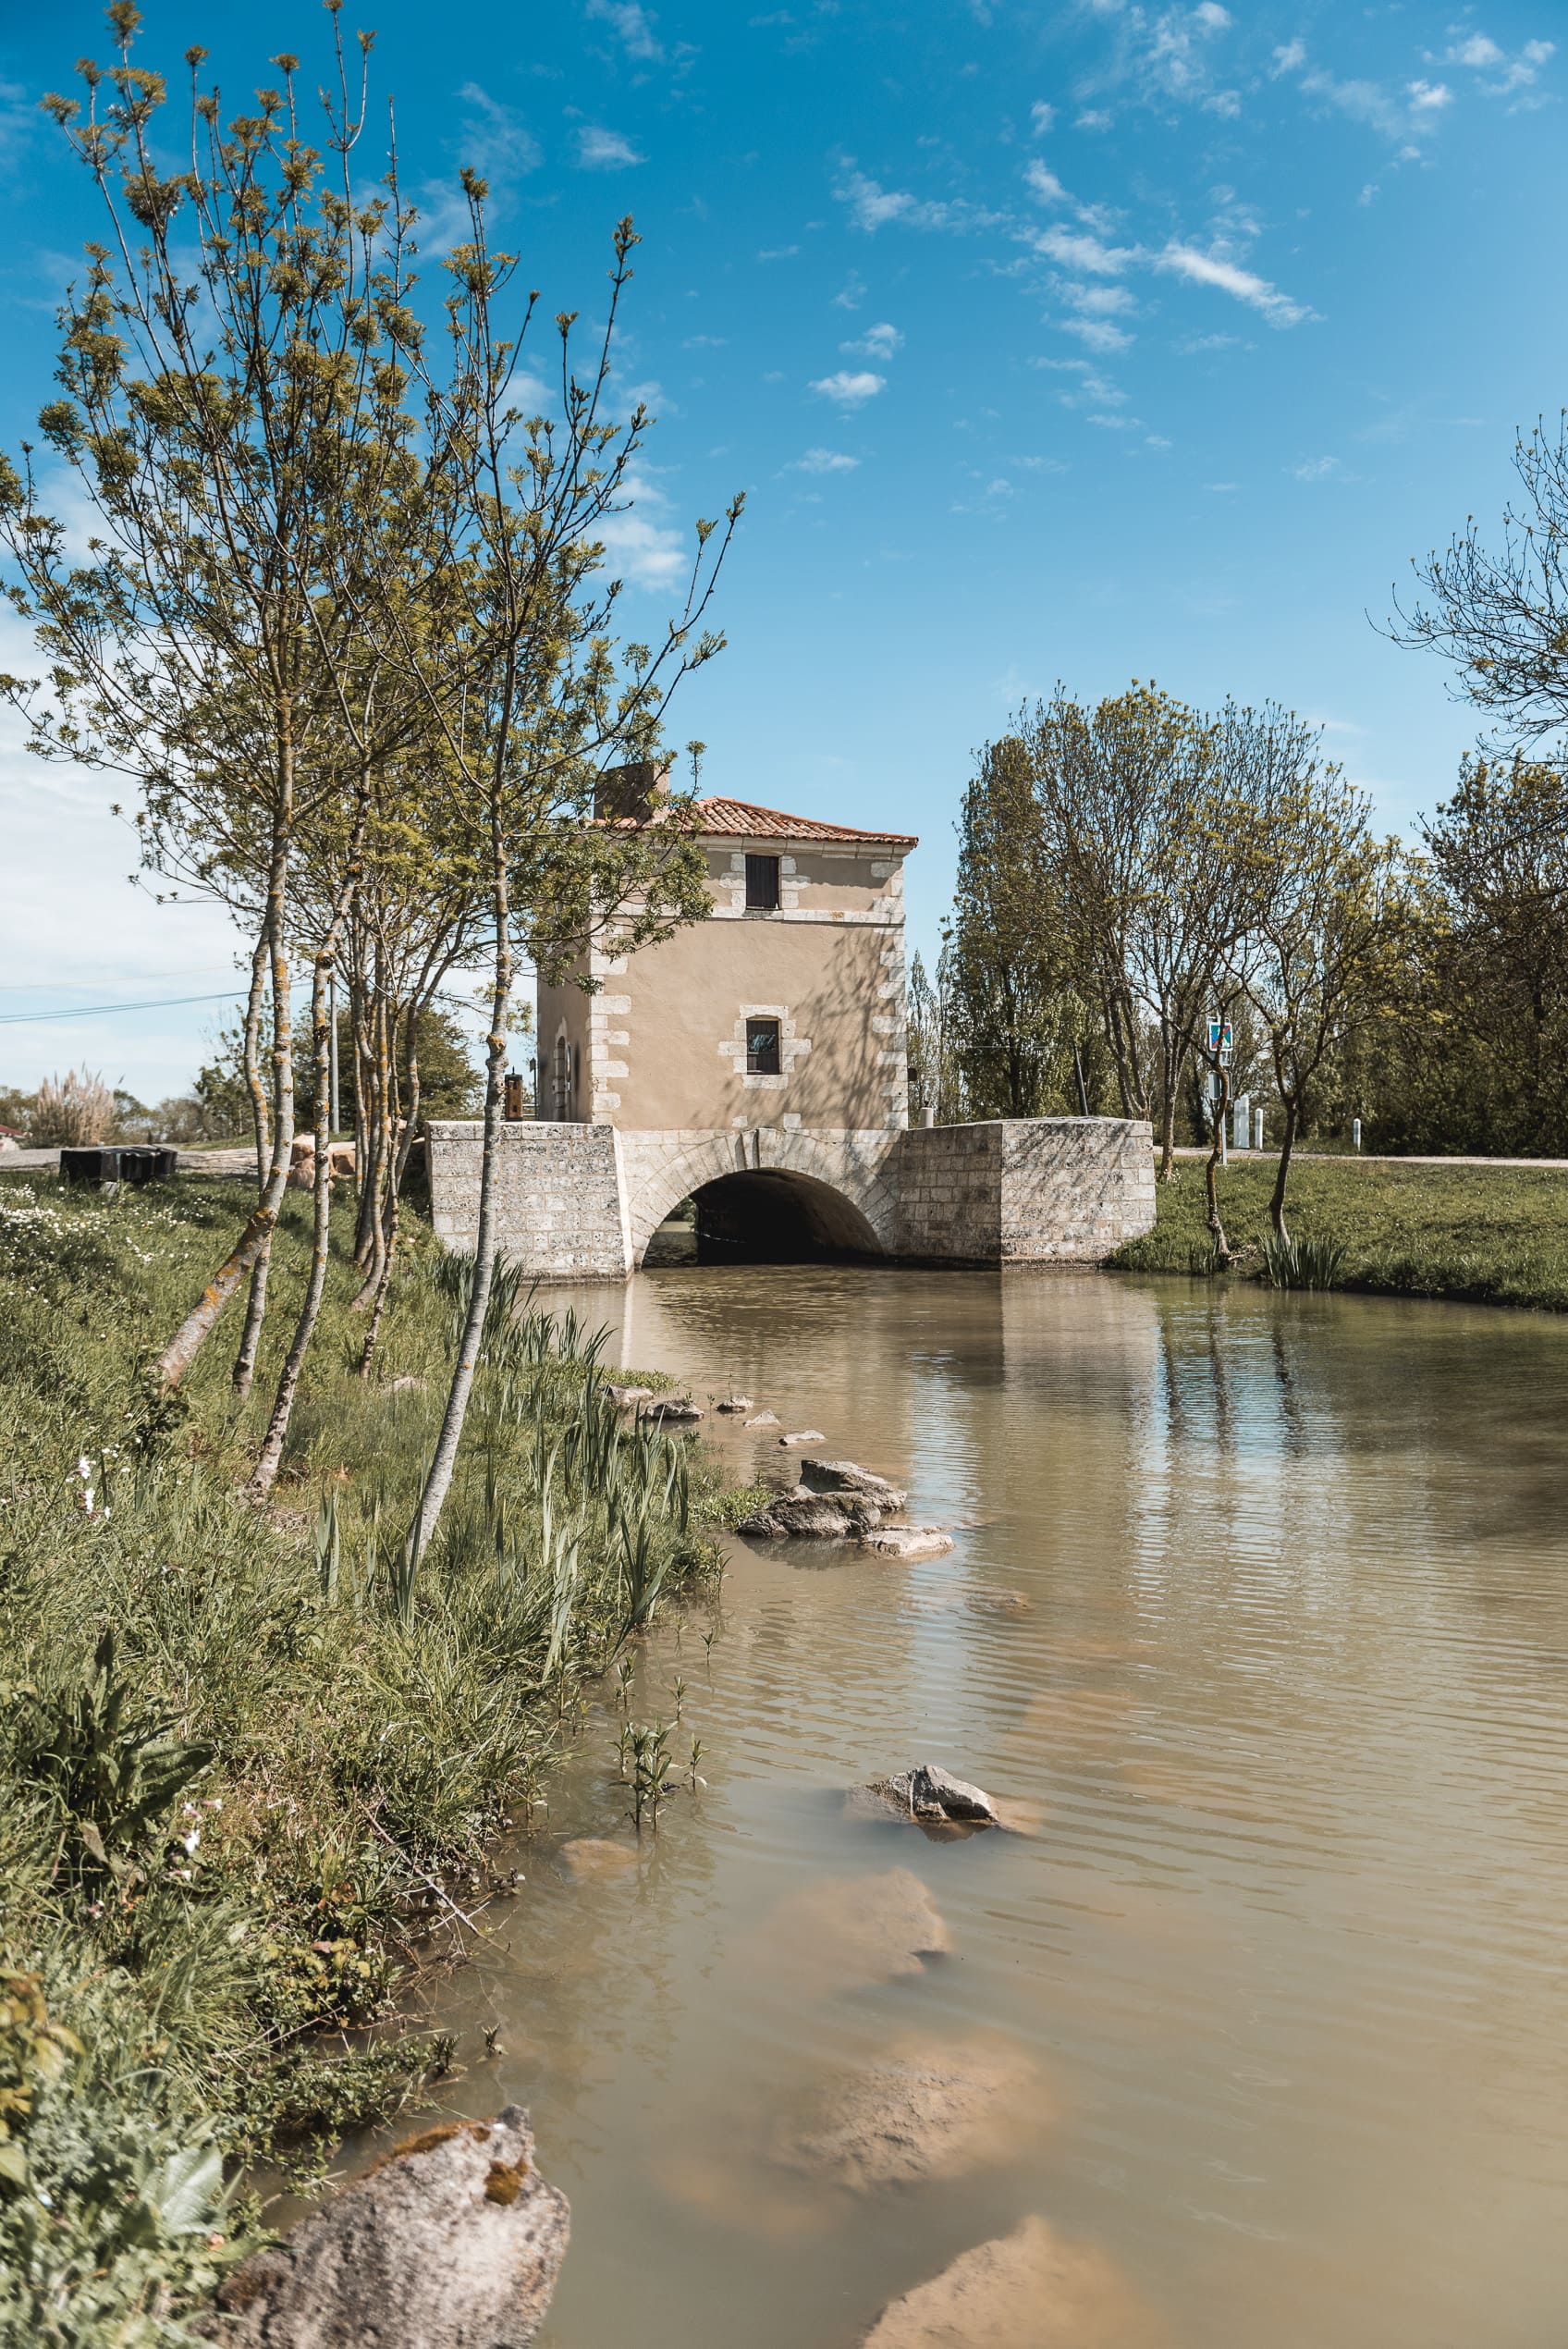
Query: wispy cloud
{"x": 1229, "y": 276}
{"x": 878, "y": 342}
{"x": 1498, "y": 75}
{"x": 1316, "y": 469}
{"x": 1074, "y": 249}
{"x": 1403, "y": 112}
{"x": 851, "y": 389}
{"x": 642, "y": 547}
{"x": 630, "y": 23}
{"x": 824, "y": 461}
{"x": 1043, "y": 183}
{"x": 493, "y": 139}
{"x": 600, "y": 150}
{"x": 872, "y": 206}
{"x": 1042, "y": 117}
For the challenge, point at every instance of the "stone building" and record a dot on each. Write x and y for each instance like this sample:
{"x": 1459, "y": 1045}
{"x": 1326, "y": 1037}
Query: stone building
{"x": 755, "y": 1062}
{"x": 784, "y": 1008}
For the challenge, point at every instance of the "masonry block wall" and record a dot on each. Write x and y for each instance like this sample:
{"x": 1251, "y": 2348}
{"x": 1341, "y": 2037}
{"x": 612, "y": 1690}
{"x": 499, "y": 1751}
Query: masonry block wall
{"x": 558, "y": 1196}
{"x": 579, "y": 1202}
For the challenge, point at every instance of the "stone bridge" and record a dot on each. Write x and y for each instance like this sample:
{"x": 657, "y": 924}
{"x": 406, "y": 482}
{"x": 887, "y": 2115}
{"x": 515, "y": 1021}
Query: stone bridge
{"x": 579, "y": 1202}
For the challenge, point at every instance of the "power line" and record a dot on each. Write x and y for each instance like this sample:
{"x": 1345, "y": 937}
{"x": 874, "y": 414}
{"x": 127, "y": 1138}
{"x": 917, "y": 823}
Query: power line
{"x": 97, "y": 1011}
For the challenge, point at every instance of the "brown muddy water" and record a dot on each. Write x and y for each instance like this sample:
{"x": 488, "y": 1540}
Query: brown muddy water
{"x": 1275, "y": 1993}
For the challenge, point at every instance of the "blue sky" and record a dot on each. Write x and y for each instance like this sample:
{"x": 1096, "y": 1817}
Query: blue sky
{"x": 1095, "y": 341}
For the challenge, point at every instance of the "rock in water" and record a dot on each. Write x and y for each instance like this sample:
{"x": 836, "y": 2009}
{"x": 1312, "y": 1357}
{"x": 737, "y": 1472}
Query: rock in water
{"x": 849, "y": 1932}
{"x": 928, "y": 1793}
{"x": 848, "y": 1476}
{"x": 672, "y": 1407}
{"x": 1030, "y": 2290}
{"x": 623, "y": 1398}
{"x": 927, "y": 2111}
{"x": 802, "y": 1436}
{"x": 734, "y": 1403}
{"x": 818, "y": 1517}
{"x": 454, "y": 2241}
{"x": 764, "y": 1419}
{"x": 905, "y": 1542}
{"x": 588, "y": 1857}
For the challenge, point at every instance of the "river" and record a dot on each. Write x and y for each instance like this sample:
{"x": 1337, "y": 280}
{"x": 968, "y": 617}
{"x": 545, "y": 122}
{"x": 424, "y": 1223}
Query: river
{"x": 1261, "y": 1603}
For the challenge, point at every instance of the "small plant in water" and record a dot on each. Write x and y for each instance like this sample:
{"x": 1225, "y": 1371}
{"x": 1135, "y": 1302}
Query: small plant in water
{"x": 678, "y": 1692}
{"x": 650, "y": 1760}
{"x": 692, "y": 1780}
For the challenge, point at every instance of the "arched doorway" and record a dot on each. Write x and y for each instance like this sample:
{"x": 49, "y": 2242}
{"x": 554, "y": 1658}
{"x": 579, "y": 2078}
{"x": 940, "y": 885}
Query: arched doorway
{"x": 763, "y": 1216}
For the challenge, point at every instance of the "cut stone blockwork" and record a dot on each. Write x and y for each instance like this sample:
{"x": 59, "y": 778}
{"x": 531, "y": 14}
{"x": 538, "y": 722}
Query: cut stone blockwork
{"x": 581, "y": 1203}
{"x": 767, "y": 1045}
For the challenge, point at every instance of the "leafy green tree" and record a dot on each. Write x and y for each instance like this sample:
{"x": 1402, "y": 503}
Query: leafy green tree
{"x": 1013, "y": 1021}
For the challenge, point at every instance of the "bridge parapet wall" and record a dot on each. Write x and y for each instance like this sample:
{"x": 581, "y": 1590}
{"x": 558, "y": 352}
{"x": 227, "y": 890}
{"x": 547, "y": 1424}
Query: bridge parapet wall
{"x": 581, "y": 1202}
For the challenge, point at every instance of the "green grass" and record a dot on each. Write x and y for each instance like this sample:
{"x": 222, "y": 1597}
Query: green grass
{"x": 218, "y": 1830}
{"x": 1496, "y": 1236}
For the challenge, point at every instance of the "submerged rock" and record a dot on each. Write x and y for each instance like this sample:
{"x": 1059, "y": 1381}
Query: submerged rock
{"x": 803, "y": 1435}
{"x": 587, "y": 1857}
{"x": 930, "y": 1793}
{"x": 926, "y": 2110}
{"x": 999, "y": 1602}
{"x": 903, "y": 1543}
{"x": 848, "y": 1476}
{"x": 735, "y": 1403}
{"x": 849, "y": 1932}
{"x": 453, "y": 2242}
{"x": 623, "y": 1398}
{"x": 1033, "y": 2289}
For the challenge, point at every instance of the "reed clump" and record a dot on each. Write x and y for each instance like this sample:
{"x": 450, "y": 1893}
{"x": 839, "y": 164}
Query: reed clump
{"x": 251, "y": 1760}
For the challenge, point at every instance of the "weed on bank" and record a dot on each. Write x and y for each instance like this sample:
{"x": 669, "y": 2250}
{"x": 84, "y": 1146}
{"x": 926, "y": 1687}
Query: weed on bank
{"x": 250, "y": 1758}
{"x": 1488, "y": 1235}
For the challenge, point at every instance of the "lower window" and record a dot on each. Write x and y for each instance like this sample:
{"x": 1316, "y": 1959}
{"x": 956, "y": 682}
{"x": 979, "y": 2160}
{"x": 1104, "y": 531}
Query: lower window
{"x": 762, "y": 1048}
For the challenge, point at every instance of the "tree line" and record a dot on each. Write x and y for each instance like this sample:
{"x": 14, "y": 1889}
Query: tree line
{"x": 1134, "y": 872}
{"x": 340, "y": 616}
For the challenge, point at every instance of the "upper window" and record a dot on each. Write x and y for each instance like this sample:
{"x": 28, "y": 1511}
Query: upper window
{"x": 762, "y": 1048}
{"x": 762, "y": 884}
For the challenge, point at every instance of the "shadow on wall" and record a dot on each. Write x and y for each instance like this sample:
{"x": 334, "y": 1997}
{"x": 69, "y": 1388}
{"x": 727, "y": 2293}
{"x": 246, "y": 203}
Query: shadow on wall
{"x": 764, "y": 1217}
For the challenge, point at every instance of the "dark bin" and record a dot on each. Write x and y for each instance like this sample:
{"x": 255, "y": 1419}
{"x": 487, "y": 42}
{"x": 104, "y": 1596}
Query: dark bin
{"x": 119, "y": 1162}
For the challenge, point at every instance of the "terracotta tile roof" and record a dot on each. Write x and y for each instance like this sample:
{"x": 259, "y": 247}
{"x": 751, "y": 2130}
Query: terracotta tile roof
{"x": 735, "y": 817}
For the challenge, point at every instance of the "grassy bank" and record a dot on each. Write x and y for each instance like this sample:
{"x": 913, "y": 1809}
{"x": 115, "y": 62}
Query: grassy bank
{"x": 1493, "y": 1235}
{"x": 246, "y": 1765}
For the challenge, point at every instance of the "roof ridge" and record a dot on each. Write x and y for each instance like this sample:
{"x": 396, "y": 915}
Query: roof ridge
{"x": 804, "y": 826}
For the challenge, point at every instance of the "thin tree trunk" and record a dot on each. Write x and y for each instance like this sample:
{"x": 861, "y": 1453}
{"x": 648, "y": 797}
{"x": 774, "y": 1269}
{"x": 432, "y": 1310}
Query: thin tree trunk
{"x": 439, "y": 1482}
{"x": 1277, "y": 1204}
{"x": 256, "y": 1237}
{"x": 395, "y": 1196}
{"x": 244, "y": 1369}
{"x": 380, "y": 1204}
{"x": 265, "y": 1475}
{"x": 1211, "y": 1172}
{"x": 1078, "y": 1073}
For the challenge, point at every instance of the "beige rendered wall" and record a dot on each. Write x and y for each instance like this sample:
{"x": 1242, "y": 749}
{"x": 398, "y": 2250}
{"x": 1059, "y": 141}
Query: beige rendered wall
{"x": 563, "y": 1010}
{"x": 663, "y": 1037}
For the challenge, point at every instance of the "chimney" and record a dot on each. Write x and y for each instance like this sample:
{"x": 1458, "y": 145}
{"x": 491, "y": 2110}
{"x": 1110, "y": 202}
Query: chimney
{"x": 631, "y": 792}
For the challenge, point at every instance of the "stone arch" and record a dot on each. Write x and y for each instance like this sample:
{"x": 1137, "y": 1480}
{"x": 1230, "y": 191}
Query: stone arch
{"x": 840, "y": 1185}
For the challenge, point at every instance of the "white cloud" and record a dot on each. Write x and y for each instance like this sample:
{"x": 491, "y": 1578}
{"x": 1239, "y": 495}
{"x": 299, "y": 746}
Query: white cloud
{"x": 1227, "y": 276}
{"x": 872, "y": 206}
{"x": 1096, "y": 334}
{"x": 1483, "y": 57}
{"x": 851, "y": 389}
{"x": 1290, "y": 58}
{"x": 642, "y": 547}
{"x": 1428, "y": 97}
{"x": 851, "y": 293}
{"x": 779, "y": 252}
{"x": 878, "y": 342}
{"x": 1074, "y": 250}
{"x": 1316, "y": 469}
{"x": 1042, "y": 117}
{"x": 824, "y": 461}
{"x": 629, "y": 22}
{"x": 1043, "y": 182}
{"x": 599, "y": 150}
{"x": 492, "y": 139}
